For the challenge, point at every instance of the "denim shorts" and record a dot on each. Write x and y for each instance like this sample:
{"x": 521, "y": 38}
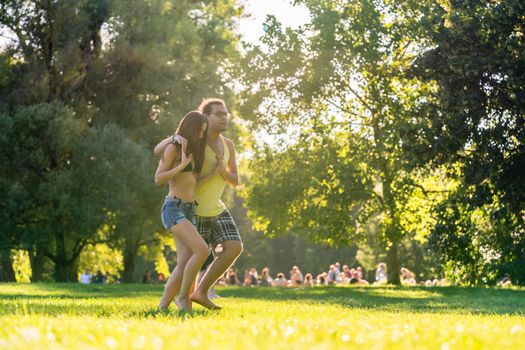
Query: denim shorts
{"x": 175, "y": 211}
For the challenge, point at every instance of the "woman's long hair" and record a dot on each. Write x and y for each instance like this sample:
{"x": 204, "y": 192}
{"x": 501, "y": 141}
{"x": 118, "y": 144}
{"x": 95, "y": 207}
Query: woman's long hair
{"x": 190, "y": 128}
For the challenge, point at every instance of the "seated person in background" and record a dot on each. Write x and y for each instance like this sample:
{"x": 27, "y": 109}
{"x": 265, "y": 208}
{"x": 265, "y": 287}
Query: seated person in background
{"x": 308, "y": 280}
{"x": 347, "y": 272}
{"x": 332, "y": 275}
{"x": 342, "y": 279}
{"x": 232, "y": 278}
{"x": 266, "y": 279}
{"x": 322, "y": 279}
{"x": 360, "y": 276}
{"x": 280, "y": 281}
{"x": 296, "y": 277}
{"x": 254, "y": 276}
{"x": 355, "y": 278}
{"x": 247, "y": 279}
{"x": 407, "y": 277}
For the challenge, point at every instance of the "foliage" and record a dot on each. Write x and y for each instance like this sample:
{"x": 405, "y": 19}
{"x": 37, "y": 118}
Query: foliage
{"x": 101, "y": 257}
{"x": 22, "y": 266}
{"x": 340, "y": 85}
{"x": 119, "y": 75}
{"x": 475, "y": 119}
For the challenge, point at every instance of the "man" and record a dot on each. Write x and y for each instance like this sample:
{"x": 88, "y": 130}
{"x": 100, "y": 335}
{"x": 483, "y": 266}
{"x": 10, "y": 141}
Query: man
{"x": 214, "y": 221}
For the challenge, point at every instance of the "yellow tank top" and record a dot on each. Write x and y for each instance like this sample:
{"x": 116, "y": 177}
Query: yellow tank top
{"x": 208, "y": 195}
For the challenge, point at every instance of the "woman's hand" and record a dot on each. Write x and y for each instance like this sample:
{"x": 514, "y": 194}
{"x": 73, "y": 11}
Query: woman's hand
{"x": 185, "y": 160}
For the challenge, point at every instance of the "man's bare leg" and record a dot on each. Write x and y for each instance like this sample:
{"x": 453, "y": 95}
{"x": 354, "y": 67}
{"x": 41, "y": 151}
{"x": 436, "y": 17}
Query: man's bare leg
{"x": 231, "y": 250}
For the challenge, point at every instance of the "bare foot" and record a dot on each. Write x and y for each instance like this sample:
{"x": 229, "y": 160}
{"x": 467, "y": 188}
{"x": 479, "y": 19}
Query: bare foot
{"x": 183, "y": 304}
{"x": 162, "y": 309}
{"x": 204, "y": 301}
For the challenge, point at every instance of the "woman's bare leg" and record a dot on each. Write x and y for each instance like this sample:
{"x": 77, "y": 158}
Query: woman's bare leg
{"x": 175, "y": 280}
{"x": 188, "y": 235}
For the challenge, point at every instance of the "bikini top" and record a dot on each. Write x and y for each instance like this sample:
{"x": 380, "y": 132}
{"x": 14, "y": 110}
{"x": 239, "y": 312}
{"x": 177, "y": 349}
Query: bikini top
{"x": 188, "y": 167}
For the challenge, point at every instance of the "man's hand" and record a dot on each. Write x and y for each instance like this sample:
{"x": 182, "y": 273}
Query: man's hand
{"x": 221, "y": 168}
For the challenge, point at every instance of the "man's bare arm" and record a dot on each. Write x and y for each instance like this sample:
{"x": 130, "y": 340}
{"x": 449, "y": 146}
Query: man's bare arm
{"x": 161, "y": 146}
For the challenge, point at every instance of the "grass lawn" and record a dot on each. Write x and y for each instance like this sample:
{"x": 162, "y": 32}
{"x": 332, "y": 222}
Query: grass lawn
{"x": 73, "y": 316}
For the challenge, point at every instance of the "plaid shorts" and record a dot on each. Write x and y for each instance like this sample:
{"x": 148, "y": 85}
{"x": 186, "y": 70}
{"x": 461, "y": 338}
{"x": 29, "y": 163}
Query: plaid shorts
{"x": 217, "y": 229}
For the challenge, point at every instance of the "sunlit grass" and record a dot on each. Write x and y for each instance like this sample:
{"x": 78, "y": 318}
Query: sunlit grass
{"x": 62, "y": 316}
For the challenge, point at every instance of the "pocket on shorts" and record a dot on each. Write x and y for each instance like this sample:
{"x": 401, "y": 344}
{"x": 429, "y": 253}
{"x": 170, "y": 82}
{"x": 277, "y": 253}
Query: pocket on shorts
{"x": 171, "y": 214}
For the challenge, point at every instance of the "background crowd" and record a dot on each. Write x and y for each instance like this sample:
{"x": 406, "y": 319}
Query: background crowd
{"x": 336, "y": 275}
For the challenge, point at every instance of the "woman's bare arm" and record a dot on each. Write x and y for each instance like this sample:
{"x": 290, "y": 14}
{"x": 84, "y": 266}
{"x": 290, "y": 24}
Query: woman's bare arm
{"x": 164, "y": 171}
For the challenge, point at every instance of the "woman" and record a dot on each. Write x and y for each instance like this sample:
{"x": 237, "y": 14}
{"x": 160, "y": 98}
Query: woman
{"x": 178, "y": 166}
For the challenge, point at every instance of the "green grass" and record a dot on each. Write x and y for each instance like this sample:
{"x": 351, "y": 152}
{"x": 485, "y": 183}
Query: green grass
{"x": 71, "y": 316}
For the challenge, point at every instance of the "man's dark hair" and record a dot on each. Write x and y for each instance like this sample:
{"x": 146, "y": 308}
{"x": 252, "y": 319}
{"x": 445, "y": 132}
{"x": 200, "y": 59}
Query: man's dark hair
{"x": 207, "y": 103}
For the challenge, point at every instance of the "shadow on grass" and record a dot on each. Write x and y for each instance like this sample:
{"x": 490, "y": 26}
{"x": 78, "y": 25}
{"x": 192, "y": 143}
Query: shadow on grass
{"x": 135, "y": 300}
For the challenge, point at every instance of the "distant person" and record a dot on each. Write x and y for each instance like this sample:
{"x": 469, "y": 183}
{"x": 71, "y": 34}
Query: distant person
{"x": 100, "y": 278}
{"x": 355, "y": 277}
{"x": 322, "y": 279}
{"x": 247, "y": 278}
{"x": 85, "y": 278}
{"x": 347, "y": 272}
{"x": 266, "y": 279}
{"x": 146, "y": 278}
{"x": 254, "y": 276}
{"x": 280, "y": 281}
{"x": 407, "y": 277}
{"x": 232, "y": 278}
{"x": 360, "y": 275}
{"x": 308, "y": 280}
{"x": 160, "y": 278}
{"x": 332, "y": 275}
{"x": 296, "y": 277}
{"x": 381, "y": 277}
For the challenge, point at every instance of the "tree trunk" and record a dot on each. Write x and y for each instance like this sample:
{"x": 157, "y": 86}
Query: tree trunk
{"x": 393, "y": 264}
{"x": 6, "y": 264}
{"x": 61, "y": 270}
{"x": 73, "y": 271}
{"x": 130, "y": 252}
{"x": 37, "y": 260}
{"x": 66, "y": 270}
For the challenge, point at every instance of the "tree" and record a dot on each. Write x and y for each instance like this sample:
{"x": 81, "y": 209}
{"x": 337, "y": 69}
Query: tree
{"x": 110, "y": 65}
{"x": 81, "y": 175}
{"x": 339, "y": 86}
{"x": 476, "y": 120}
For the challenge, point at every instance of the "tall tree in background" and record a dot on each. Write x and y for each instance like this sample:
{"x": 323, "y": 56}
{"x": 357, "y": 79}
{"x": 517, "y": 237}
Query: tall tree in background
{"x": 131, "y": 68}
{"x": 348, "y": 105}
{"x": 476, "y": 119}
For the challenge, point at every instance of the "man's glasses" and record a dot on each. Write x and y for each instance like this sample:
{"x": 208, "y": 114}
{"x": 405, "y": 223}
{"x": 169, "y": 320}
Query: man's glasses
{"x": 221, "y": 114}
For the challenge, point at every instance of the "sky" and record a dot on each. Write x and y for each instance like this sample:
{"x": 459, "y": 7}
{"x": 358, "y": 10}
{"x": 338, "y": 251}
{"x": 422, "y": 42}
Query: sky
{"x": 289, "y": 15}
